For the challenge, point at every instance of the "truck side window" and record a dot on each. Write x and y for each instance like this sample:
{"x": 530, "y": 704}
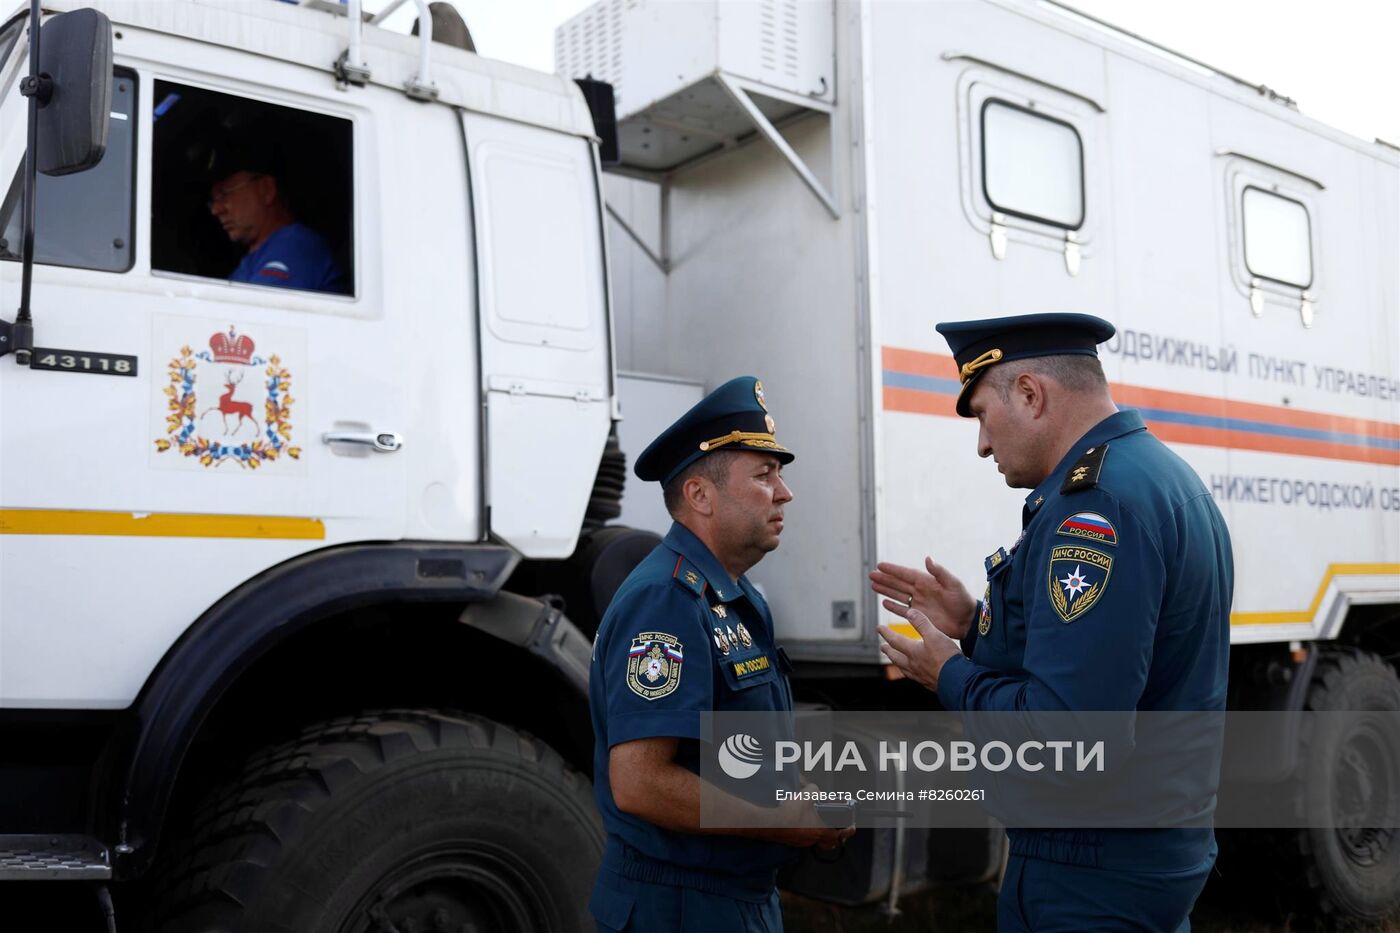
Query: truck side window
{"x": 251, "y": 192}
{"x": 1032, "y": 165}
{"x": 1277, "y": 238}
{"x": 83, "y": 220}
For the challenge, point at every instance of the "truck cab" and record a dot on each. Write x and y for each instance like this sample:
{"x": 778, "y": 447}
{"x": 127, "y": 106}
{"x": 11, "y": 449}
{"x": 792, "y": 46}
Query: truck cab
{"x": 258, "y": 529}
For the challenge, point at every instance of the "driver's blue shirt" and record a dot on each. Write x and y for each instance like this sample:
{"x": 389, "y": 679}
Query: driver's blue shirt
{"x": 293, "y": 256}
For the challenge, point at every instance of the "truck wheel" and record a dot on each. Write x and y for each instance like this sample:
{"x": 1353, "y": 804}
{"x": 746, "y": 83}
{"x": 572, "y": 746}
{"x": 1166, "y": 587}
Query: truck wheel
{"x": 398, "y": 820}
{"x": 1354, "y": 873}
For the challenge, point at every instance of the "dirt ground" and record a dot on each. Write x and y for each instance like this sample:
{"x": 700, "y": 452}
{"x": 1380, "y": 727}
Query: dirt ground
{"x": 30, "y": 908}
{"x": 973, "y": 909}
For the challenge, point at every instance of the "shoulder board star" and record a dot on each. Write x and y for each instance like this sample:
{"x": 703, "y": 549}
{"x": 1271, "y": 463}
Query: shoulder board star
{"x": 688, "y": 576}
{"x": 1085, "y": 472}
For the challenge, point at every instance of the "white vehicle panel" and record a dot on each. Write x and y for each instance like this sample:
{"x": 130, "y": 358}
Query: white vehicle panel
{"x": 649, "y": 405}
{"x": 763, "y": 285}
{"x": 1164, "y": 270}
{"x": 544, "y": 329}
{"x": 87, "y": 618}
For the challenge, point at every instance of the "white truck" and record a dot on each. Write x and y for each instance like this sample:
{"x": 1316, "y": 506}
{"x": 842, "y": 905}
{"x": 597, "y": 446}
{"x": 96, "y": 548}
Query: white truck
{"x": 296, "y": 588}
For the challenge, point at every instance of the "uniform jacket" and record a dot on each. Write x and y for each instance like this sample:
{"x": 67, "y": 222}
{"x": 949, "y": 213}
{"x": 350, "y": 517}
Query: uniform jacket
{"x": 1116, "y": 596}
{"x": 679, "y": 639}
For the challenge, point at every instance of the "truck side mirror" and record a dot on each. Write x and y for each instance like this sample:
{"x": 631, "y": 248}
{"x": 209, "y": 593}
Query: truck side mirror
{"x": 76, "y": 57}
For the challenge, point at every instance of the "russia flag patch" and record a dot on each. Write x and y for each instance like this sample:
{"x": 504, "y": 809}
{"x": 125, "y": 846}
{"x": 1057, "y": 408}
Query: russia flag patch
{"x": 275, "y": 270}
{"x": 1089, "y": 525}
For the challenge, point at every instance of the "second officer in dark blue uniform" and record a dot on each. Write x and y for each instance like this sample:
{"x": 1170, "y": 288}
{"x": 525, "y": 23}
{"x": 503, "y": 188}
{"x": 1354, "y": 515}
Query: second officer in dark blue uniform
{"x": 1114, "y": 597}
{"x": 688, "y": 633}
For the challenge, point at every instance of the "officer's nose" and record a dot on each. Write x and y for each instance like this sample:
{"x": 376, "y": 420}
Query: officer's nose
{"x": 783, "y": 492}
{"x": 984, "y": 443}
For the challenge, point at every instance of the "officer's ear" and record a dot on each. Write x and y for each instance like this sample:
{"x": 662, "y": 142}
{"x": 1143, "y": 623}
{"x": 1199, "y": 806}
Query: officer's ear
{"x": 699, "y": 494}
{"x": 1028, "y": 392}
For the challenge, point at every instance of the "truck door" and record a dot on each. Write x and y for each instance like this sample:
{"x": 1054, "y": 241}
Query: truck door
{"x": 174, "y": 448}
{"x": 545, "y": 340}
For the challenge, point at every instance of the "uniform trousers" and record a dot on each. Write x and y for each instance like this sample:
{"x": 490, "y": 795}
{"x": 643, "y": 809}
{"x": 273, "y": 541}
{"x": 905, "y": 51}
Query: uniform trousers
{"x": 636, "y": 893}
{"x": 1052, "y": 897}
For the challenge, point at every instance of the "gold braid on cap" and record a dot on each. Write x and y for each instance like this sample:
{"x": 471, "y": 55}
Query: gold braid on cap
{"x": 970, "y": 368}
{"x": 752, "y": 438}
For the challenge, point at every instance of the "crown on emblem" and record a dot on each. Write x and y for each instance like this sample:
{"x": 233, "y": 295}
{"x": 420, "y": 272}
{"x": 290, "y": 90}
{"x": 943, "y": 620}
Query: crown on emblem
{"x": 231, "y": 348}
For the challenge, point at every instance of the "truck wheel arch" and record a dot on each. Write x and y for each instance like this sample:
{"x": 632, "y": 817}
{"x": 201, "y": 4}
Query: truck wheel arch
{"x": 248, "y": 623}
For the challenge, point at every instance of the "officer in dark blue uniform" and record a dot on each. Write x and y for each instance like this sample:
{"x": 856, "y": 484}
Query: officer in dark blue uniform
{"x": 1115, "y": 596}
{"x": 688, "y": 633}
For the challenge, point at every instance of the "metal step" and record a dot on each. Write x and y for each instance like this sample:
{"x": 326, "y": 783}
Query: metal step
{"x": 53, "y": 857}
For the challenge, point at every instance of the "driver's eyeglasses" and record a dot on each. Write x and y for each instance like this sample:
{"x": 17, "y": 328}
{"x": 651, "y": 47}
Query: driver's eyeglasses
{"x": 219, "y": 196}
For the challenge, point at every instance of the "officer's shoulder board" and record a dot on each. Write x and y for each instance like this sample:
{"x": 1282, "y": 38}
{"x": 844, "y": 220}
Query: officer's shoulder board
{"x": 1085, "y": 472}
{"x": 688, "y": 575}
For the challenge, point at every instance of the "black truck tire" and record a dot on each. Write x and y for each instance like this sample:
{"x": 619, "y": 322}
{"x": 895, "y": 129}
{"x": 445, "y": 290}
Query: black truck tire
{"x": 1354, "y": 875}
{"x": 402, "y": 819}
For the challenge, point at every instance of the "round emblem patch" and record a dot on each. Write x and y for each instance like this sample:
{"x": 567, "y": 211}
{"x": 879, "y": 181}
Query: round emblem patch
{"x": 984, "y": 616}
{"x": 654, "y": 665}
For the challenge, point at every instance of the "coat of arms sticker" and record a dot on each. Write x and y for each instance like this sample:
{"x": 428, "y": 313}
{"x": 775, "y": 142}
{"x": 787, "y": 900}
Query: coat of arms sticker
{"x": 226, "y": 401}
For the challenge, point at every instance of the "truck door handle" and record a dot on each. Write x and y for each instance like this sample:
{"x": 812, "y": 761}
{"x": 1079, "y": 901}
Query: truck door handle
{"x": 385, "y": 442}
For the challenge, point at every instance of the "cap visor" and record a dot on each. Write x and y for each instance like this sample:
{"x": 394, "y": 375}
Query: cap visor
{"x": 965, "y": 395}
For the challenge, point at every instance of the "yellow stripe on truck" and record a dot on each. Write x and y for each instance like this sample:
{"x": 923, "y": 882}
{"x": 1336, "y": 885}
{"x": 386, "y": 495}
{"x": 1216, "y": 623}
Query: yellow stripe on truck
{"x": 158, "y": 525}
{"x": 1333, "y": 570}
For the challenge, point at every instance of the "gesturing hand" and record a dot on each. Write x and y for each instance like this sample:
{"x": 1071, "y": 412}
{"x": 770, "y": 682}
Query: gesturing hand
{"x": 921, "y": 658}
{"x": 938, "y": 595}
